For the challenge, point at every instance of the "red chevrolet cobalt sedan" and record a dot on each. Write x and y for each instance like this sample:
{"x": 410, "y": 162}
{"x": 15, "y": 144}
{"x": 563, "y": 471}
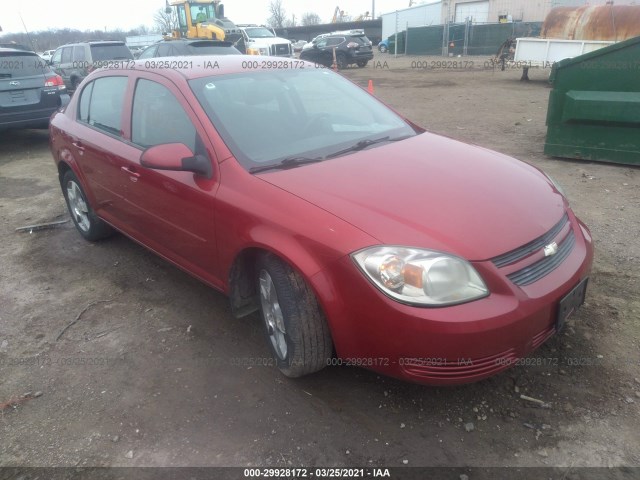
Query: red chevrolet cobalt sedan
{"x": 360, "y": 237}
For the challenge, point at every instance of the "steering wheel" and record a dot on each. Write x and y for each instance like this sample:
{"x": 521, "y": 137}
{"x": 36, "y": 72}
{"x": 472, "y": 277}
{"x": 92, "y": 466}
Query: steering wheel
{"x": 319, "y": 121}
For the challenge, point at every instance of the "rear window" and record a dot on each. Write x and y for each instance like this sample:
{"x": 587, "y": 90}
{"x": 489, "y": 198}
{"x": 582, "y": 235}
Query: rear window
{"x": 361, "y": 39}
{"x": 207, "y": 48}
{"x": 110, "y": 51}
{"x": 19, "y": 64}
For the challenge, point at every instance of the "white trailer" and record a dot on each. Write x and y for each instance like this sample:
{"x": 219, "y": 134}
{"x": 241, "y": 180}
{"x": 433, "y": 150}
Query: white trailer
{"x": 544, "y": 52}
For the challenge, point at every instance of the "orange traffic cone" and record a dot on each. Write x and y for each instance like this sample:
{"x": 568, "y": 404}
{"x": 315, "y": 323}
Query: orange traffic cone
{"x": 370, "y": 87}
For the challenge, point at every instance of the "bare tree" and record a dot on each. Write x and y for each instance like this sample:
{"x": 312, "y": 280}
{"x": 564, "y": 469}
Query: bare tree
{"x": 311, "y": 18}
{"x": 278, "y": 18}
{"x": 166, "y": 22}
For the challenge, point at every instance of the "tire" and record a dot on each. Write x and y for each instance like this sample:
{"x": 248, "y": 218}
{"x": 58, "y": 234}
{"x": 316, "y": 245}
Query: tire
{"x": 382, "y": 48}
{"x": 295, "y": 327}
{"x": 362, "y": 63}
{"x": 74, "y": 84}
{"x": 83, "y": 216}
{"x": 341, "y": 60}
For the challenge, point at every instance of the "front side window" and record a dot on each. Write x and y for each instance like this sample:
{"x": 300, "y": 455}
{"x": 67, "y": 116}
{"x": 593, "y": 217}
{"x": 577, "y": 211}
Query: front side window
{"x": 105, "y": 104}
{"x": 57, "y": 56}
{"x": 159, "y": 118}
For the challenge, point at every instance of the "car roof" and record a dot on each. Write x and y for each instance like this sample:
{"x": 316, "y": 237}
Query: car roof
{"x": 94, "y": 42}
{"x": 191, "y": 41}
{"x": 19, "y": 50}
{"x": 200, "y": 66}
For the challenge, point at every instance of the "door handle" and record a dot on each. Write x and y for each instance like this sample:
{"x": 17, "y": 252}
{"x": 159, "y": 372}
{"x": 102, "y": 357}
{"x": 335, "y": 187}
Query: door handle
{"x": 130, "y": 172}
{"x": 78, "y": 144}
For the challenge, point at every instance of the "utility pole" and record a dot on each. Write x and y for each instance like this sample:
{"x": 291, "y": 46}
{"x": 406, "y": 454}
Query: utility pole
{"x": 373, "y": 9}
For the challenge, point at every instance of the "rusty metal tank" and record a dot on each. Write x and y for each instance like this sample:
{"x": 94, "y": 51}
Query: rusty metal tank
{"x": 603, "y": 22}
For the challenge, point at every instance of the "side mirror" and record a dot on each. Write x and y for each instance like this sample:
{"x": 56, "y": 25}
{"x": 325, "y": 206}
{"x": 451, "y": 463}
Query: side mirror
{"x": 176, "y": 157}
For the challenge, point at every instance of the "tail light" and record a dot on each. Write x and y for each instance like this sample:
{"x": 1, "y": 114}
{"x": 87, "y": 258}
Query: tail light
{"x": 353, "y": 45}
{"x": 55, "y": 81}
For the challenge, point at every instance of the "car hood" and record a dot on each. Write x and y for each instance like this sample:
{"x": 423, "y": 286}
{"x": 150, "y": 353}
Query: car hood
{"x": 433, "y": 192}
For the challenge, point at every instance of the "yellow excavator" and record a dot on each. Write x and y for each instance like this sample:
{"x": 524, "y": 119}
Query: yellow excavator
{"x": 202, "y": 19}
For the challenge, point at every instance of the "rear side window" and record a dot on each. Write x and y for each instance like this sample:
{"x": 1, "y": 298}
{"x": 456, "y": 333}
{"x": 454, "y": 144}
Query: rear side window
{"x": 105, "y": 104}
{"x": 110, "y": 51}
{"x": 332, "y": 42}
{"x": 67, "y": 54}
{"x": 21, "y": 64}
{"x": 159, "y": 118}
{"x": 78, "y": 54}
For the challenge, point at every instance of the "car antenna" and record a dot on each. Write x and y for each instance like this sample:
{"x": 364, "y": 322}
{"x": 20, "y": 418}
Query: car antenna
{"x": 30, "y": 41}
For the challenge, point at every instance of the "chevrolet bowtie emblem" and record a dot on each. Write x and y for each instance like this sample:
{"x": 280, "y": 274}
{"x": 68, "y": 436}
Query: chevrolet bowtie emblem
{"x": 550, "y": 249}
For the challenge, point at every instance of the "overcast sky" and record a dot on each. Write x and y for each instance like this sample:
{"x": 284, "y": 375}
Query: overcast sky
{"x": 127, "y": 14}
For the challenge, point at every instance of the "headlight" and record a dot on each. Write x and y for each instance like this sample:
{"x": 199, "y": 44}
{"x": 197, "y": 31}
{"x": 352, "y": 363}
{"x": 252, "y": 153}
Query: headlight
{"x": 264, "y": 51}
{"x": 421, "y": 277}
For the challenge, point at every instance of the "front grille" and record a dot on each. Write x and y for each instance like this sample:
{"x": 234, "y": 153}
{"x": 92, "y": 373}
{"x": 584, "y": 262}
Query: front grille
{"x": 460, "y": 369}
{"x": 526, "y": 250}
{"x": 543, "y": 267}
{"x": 280, "y": 49}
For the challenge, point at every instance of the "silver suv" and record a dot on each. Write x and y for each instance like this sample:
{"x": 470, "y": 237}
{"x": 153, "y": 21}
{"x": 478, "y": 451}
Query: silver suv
{"x": 75, "y": 61}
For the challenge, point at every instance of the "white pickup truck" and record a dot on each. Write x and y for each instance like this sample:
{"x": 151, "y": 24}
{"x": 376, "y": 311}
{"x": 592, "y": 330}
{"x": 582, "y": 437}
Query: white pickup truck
{"x": 261, "y": 40}
{"x": 544, "y": 52}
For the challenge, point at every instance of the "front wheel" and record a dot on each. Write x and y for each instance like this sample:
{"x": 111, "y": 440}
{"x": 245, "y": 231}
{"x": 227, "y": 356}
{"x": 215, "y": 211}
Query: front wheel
{"x": 382, "y": 48}
{"x": 296, "y": 329}
{"x": 85, "y": 219}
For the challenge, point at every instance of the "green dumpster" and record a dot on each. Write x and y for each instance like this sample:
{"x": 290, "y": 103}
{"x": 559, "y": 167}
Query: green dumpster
{"x": 594, "y": 107}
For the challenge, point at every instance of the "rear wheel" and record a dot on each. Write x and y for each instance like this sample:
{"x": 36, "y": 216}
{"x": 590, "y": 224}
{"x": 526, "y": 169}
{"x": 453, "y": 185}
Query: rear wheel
{"x": 341, "y": 61}
{"x": 382, "y": 48}
{"x": 74, "y": 84}
{"x": 362, "y": 63}
{"x": 85, "y": 219}
{"x": 296, "y": 329}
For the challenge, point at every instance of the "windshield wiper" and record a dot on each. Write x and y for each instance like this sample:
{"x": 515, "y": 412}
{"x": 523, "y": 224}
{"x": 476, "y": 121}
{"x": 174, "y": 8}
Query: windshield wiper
{"x": 362, "y": 144}
{"x": 289, "y": 162}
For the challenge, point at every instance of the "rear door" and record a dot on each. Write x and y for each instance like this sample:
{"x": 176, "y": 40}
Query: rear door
{"x": 23, "y": 95}
{"x": 98, "y": 145}
{"x": 173, "y": 212}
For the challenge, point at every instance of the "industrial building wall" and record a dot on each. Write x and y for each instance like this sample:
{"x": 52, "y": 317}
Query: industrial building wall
{"x": 418, "y": 16}
{"x": 518, "y": 10}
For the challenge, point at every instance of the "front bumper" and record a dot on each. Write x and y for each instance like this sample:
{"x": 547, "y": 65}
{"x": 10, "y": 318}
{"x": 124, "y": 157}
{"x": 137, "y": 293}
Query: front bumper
{"x": 449, "y": 345}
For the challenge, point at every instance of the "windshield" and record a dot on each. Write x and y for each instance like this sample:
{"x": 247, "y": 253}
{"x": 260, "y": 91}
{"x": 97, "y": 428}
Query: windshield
{"x": 259, "y": 32}
{"x": 266, "y": 117}
{"x": 202, "y": 13}
{"x": 21, "y": 64}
